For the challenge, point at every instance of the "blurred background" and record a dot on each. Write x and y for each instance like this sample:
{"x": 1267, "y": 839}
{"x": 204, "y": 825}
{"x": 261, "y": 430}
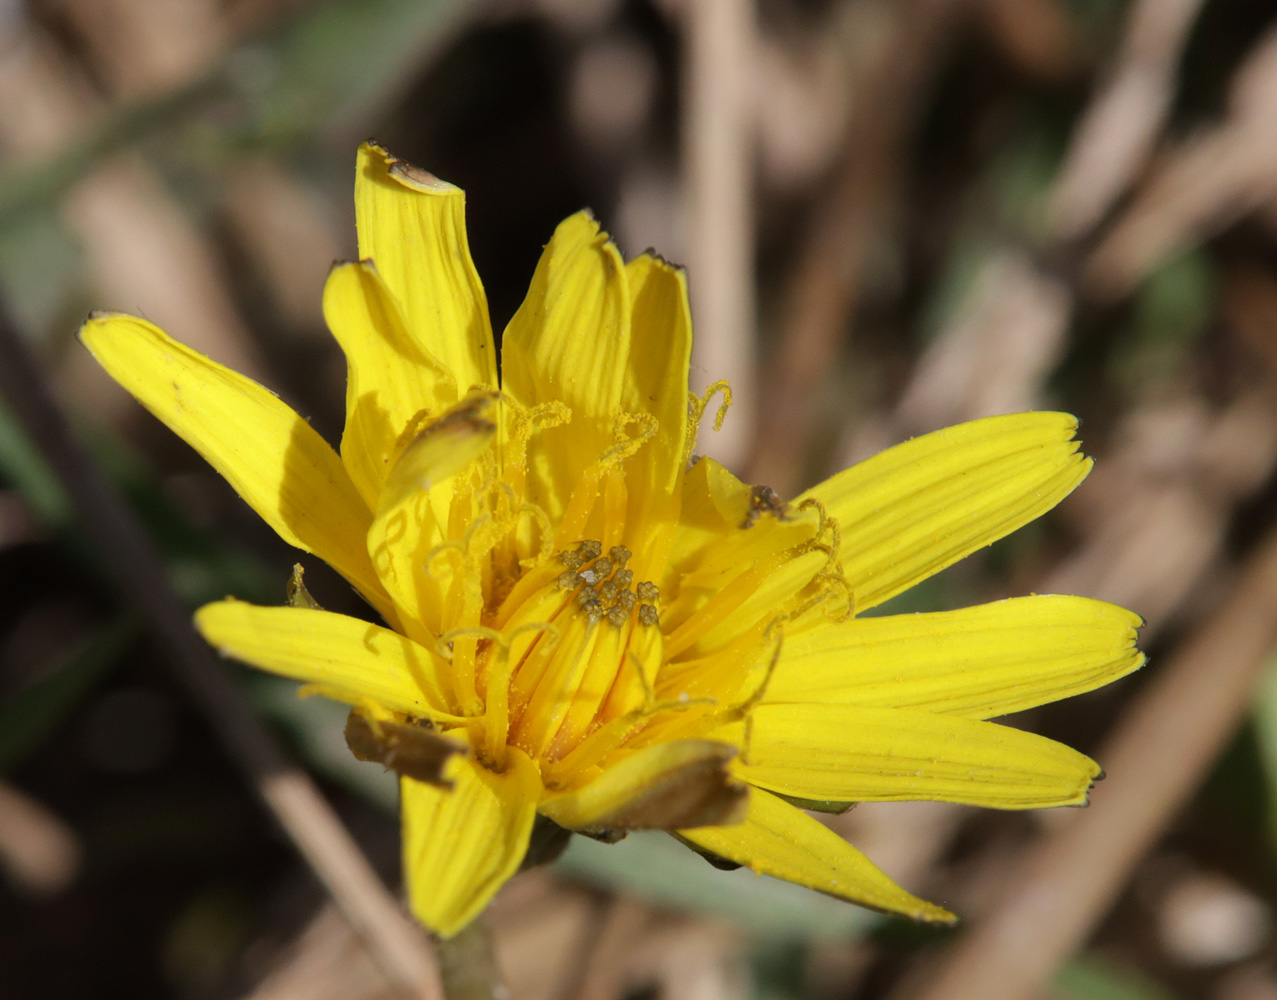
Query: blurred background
{"x": 896, "y": 215}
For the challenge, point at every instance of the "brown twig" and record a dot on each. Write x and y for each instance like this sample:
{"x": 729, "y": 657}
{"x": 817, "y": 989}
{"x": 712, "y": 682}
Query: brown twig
{"x": 1159, "y": 754}
{"x": 398, "y": 946}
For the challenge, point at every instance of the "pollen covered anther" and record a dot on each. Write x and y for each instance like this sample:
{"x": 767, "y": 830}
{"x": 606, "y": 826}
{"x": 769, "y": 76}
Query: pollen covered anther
{"x": 765, "y": 500}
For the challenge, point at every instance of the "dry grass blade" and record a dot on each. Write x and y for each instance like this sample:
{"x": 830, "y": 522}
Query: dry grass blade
{"x": 718, "y": 136}
{"x": 1206, "y": 184}
{"x": 602, "y": 969}
{"x": 997, "y": 353}
{"x": 1118, "y": 130}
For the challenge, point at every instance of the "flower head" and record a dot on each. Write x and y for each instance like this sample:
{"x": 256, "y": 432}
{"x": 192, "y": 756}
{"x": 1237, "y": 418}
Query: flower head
{"x": 587, "y": 622}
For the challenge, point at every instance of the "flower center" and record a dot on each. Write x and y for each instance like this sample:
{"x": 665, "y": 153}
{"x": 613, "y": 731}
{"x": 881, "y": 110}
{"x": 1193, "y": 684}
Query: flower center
{"x": 595, "y": 658}
{"x": 559, "y": 639}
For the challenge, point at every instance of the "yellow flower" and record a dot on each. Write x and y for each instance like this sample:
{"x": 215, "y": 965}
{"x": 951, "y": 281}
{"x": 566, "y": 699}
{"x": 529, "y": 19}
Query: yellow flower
{"x": 588, "y": 623}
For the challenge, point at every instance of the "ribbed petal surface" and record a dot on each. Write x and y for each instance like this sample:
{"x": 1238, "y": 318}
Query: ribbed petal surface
{"x": 980, "y": 662}
{"x": 390, "y": 377}
{"x": 848, "y": 754}
{"x": 345, "y": 656}
{"x": 570, "y": 342}
{"x": 461, "y": 844}
{"x": 412, "y": 226}
{"x": 914, "y": 509}
{"x": 779, "y": 840}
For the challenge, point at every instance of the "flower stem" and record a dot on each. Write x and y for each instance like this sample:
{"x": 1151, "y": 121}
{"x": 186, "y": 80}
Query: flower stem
{"x": 468, "y": 964}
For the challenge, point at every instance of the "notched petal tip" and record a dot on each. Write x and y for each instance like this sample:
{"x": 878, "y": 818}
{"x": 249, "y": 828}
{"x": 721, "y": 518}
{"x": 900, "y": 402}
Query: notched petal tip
{"x": 937, "y": 915}
{"x": 594, "y": 232}
{"x": 1083, "y": 798}
{"x": 97, "y": 322}
{"x": 922, "y": 911}
{"x": 663, "y": 261}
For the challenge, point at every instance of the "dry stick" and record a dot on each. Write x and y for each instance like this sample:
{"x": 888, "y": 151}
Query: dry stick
{"x": 718, "y": 133}
{"x": 398, "y": 947}
{"x": 1161, "y": 751}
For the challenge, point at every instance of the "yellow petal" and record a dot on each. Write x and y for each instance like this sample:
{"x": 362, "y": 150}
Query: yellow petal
{"x": 715, "y": 504}
{"x": 390, "y": 377}
{"x": 353, "y": 659}
{"x": 660, "y": 787}
{"x": 281, "y": 467}
{"x": 657, "y": 382}
{"x": 780, "y": 840}
{"x": 918, "y": 507}
{"x": 413, "y": 227}
{"x": 461, "y": 844}
{"x": 570, "y": 341}
{"x": 989, "y": 660}
{"x": 849, "y": 754}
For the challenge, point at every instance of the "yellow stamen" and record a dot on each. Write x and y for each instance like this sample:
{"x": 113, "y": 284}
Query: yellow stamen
{"x": 696, "y": 406}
